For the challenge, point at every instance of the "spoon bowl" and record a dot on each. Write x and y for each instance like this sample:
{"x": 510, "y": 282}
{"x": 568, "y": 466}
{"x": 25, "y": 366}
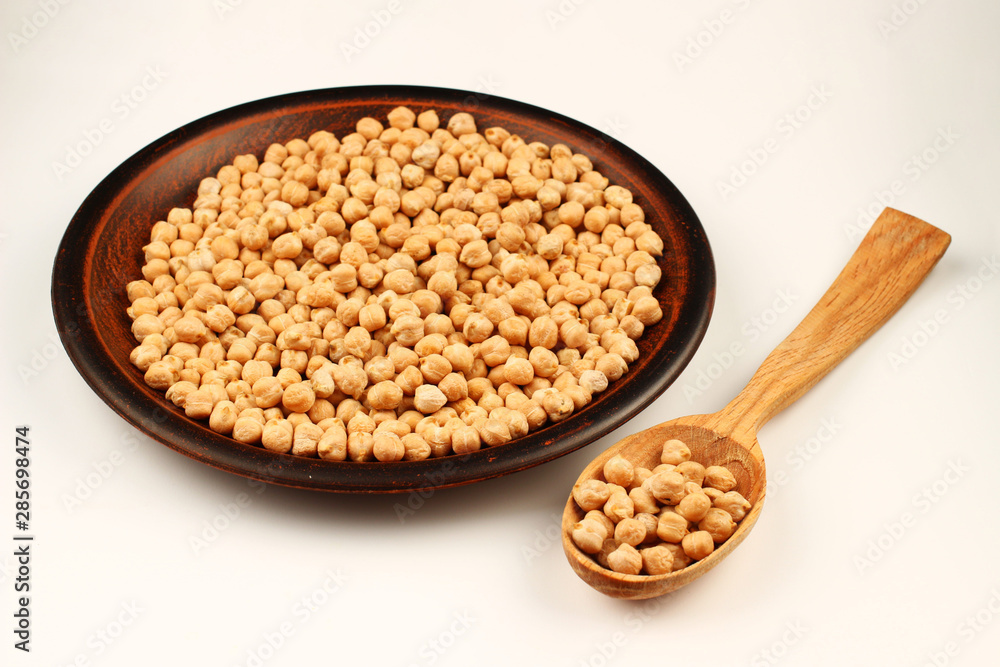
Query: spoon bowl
{"x": 744, "y": 459}
{"x": 890, "y": 263}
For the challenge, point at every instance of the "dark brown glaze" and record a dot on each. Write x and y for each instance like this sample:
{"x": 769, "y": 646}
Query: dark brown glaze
{"x": 101, "y": 252}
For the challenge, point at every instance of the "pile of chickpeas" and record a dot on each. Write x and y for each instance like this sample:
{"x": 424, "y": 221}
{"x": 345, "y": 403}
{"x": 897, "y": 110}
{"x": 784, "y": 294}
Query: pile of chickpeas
{"x": 402, "y": 292}
{"x": 642, "y": 521}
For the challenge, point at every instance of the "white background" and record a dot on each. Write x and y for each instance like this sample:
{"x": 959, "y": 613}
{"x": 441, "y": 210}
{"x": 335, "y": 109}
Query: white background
{"x": 831, "y": 575}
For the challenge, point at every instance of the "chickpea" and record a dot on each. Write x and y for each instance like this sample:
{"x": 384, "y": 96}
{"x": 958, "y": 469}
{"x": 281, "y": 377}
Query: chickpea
{"x": 607, "y": 548}
{"x": 437, "y": 437}
{"x": 720, "y": 478}
{"x": 717, "y": 523}
{"x": 385, "y": 395}
{"x": 495, "y": 350}
{"x": 534, "y": 413}
{"x": 405, "y": 269}
{"x": 189, "y": 329}
{"x": 591, "y": 494}
{"x": 459, "y": 356}
{"x": 222, "y": 418}
{"x": 516, "y": 422}
{"x": 734, "y": 503}
{"x": 267, "y": 391}
{"x": 387, "y": 447}
{"x": 518, "y": 371}
{"x": 593, "y": 381}
{"x": 643, "y": 500}
{"x": 360, "y": 446}
{"x": 694, "y": 506}
{"x": 625, "y": 559}
{"x": 698, "y": 545}
{"x": 277, "y": 436}
{"x": 477, "y": 328}
{"x": 681, "y": 559}
{"x": 372, "y": 317}
{"x": 305, "y": 439}
{"x": 408, "y": 330}
{"x": 465, "y": 439}
{"x": 667, "y": 487}
{"x": 675, "y": 452}
{"x": 692, "y": 472}
{"x": 671, "y": 527}
{"x": 558, "y": 406}
{"x": 461, "y": 123}
{"x": 454, "y": 386}
{"x": 602, "y": 519}
{"x": 618, "y": 470}
{"x": 429, "y": 399}
{"x": 589, "y": 535}
{"x": 619, "y": 506}
{"x": 476, "y": 254}
{"x": 647, "y": 310}
{"x": 611, "y": 365}
{"x": 434, "y": 368}
{"x": 298, "y": 397}
{"x": 713, "y": 494}
{"x": 494, "y": 432}
{"x": 247, "y": 430}
{"x": 630, "y": 531}
{"x": 657, "y": 560}
{"x": 332, "y": 445}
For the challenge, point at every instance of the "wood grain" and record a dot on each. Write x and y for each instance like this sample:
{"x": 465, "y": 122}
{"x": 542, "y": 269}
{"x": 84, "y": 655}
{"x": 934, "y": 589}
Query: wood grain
{"x": 892, "y": 260}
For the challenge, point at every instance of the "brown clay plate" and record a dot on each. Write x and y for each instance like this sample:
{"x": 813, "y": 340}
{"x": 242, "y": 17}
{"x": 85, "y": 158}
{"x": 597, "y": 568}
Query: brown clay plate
{"x": 101, "y": 252}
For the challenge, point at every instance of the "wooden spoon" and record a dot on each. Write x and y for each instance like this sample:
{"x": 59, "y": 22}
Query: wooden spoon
{"x": 892, "y": 260}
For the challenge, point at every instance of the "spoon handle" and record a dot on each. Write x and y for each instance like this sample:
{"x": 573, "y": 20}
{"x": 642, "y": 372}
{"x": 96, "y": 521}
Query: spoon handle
{"x": 891, "y": 262}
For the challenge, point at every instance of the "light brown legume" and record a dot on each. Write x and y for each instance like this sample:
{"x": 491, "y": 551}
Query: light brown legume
{"x": 449, "y": 273}
{"x": 661, "y": 520}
